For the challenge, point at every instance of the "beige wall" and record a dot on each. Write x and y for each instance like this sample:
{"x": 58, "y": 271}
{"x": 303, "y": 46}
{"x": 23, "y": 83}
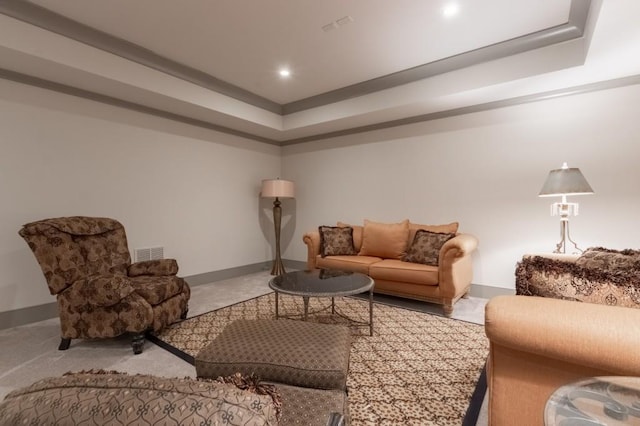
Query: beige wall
{"x": 485, "y": 171}
{"x": 195, "y": 191}
{"x": 191, "y": 190}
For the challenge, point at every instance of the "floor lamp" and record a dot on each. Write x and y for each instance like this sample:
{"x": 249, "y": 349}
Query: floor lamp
{"x": 277, "y": 188}
{"x": 563, "y": 182}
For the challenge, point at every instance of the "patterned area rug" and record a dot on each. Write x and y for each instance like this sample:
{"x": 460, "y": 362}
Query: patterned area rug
{"x": 417, "y": 368}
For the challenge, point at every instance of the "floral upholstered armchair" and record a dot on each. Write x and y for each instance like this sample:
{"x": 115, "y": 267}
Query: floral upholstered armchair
{"x": 100, "y": 293}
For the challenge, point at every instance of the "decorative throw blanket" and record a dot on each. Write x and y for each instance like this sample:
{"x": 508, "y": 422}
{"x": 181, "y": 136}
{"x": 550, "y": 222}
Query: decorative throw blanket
{"x": 599, "y": 275}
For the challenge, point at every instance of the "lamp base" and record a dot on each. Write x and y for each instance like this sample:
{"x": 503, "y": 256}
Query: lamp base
{"x": 277, "y": 268}
{"x": 561, "y": 247}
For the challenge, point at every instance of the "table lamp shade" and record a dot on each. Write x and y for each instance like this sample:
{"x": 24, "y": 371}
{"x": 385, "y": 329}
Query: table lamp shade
{"x": 277, "y": 188}
{"x": 565, "y": 181}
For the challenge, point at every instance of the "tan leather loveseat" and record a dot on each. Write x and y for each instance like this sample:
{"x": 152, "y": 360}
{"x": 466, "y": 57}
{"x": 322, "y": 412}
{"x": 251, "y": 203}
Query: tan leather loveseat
{"x": 540, "y": 344}
{"x": 438, "y": 273}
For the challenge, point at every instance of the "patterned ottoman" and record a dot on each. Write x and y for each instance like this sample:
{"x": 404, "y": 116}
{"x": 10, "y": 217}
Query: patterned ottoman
{"x": 291, "y": 352}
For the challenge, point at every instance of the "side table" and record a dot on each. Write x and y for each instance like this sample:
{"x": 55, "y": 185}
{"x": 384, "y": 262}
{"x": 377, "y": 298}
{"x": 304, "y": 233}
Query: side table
{"x": 609, "y": 400}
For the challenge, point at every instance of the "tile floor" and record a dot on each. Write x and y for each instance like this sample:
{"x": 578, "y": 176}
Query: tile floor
{"x": 29, "y": 353}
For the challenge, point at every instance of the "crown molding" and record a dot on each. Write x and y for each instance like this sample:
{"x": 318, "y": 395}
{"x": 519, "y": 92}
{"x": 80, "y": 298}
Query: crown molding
{"x": 73, "y": 91}
{"x": 59, "y": 24}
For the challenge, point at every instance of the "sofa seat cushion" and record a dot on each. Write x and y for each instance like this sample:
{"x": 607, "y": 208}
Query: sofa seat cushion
{"x": 291, "y": 352}
{"x": 397, "y": 270}
{"x": 156, "y": 290}
{"x": 113, "y": 398}
{"x": 311, "y": 407}
{"x": 347, "y": 263}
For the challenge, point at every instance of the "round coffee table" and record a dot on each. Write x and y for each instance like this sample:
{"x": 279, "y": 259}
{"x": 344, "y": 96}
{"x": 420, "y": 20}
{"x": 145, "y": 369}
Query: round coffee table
{"x": 323, "y": 283}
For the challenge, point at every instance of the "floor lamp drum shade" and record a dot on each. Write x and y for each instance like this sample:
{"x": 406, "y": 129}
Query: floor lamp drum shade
{"x": 561, "y": 183}
{"x": 277, "y": 188}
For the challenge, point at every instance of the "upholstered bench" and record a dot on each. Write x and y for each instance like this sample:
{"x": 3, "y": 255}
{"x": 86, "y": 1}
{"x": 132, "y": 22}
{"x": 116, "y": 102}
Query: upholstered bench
{"x": 297, "y": 353}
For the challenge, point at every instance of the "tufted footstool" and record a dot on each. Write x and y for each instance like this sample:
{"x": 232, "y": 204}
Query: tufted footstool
{"x": 297, "y": 353}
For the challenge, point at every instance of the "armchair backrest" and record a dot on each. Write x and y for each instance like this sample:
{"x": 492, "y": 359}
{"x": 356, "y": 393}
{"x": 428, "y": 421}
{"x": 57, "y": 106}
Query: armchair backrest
{"x": 70, "y": 248}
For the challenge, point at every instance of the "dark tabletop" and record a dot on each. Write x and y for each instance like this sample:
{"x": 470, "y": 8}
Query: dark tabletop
{"x": 321, "y": 282}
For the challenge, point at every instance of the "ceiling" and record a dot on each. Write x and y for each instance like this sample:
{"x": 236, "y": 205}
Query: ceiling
{"x": 355, "y": 65}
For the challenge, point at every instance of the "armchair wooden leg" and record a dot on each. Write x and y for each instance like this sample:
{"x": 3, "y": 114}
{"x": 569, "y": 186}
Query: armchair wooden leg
{"x": 64, "y": 344}
{"x": 184, "y": 314}
{"x": 137, "y": 342}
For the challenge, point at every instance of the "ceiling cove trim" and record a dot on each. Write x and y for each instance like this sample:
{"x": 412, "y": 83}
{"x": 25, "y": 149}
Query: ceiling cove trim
{"x": 44, "y": 18}
{"x": 569, "y": 91}
{"x": 51, "y": 21}
{"x": 109, "y": 100}
{"x": 519, "y": 100}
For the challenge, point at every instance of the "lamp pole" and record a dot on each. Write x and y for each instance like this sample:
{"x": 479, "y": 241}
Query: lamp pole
{"x": 278, "y": 267}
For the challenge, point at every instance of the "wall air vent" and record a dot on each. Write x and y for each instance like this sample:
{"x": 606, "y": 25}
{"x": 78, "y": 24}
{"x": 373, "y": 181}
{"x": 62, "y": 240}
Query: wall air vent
{"x": 150, "y": 253}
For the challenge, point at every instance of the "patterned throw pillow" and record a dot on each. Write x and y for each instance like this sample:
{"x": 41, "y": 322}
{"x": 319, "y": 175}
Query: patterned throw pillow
{"x": 426, "y": 246}
{"x": 336, "y": 241}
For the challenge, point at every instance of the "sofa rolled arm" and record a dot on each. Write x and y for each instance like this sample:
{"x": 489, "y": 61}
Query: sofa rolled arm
{"x": 455, "y": 268}
{"x": 99, "y": 290}
{"x": 157, "y": 268}
{"x": 458, "y": 246}
{"x": 312, "y": 240}
{"x": 599, "y": 336}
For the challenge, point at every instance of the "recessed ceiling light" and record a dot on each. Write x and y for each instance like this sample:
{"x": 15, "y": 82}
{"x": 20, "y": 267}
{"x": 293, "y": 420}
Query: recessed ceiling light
{"x": 450, "y": 9}
{"x": 284, "y": 72}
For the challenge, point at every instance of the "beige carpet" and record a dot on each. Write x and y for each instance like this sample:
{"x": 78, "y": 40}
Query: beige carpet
{"x": 417, "y": 368}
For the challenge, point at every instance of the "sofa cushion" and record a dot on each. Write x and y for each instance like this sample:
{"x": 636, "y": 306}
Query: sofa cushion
{"x": 117, "y": 398}
{"x": 397, "y": 270}
{"x": 385, "y": 240}
{"x": 357, "y": 234}
{"x": 336, "y": 241}
{"x": 347, "y": 263}
{"x": 426, "y": 246}
{"x": 448, "y": 228}
{"x": 297, "y": 353}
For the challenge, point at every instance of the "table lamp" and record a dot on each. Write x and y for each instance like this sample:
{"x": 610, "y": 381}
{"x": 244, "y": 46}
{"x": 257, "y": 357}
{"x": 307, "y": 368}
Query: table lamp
{"x": 277, "y": 188}
{"x": 563, "y": 182}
